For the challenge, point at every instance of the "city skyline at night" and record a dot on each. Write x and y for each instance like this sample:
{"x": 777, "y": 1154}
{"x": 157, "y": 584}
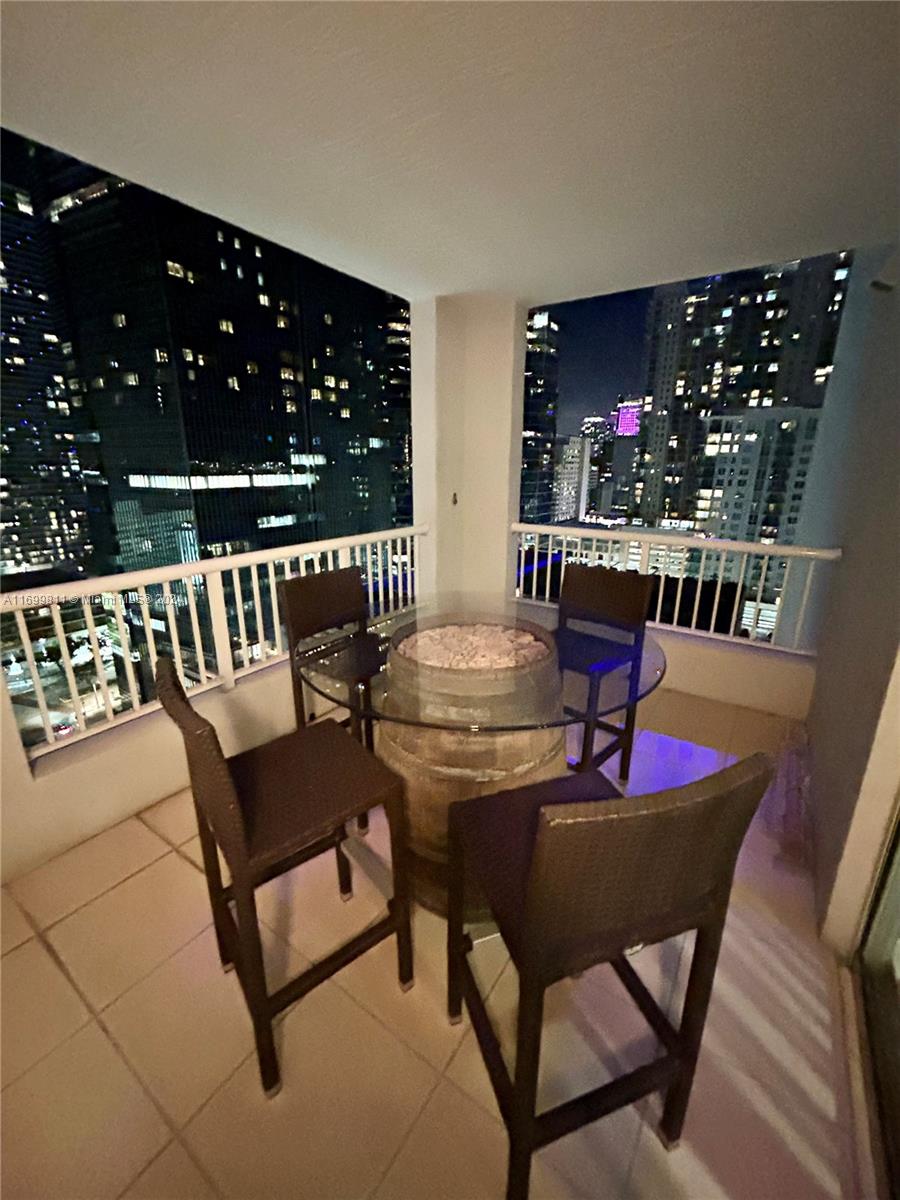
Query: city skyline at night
{"x": 176, "y": 388}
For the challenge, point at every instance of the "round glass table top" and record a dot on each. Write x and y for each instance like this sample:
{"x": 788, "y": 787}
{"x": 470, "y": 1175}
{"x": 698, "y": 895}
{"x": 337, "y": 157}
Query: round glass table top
{"x": 478, "y": 664}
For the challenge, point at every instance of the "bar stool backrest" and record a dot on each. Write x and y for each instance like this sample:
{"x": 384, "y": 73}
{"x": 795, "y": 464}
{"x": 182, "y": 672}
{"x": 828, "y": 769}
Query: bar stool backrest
{"x": 605, "y": 595}
{"x": 606, "y": 875}
{"x": 313, "y": 603}
{"x": 211, "y": 783}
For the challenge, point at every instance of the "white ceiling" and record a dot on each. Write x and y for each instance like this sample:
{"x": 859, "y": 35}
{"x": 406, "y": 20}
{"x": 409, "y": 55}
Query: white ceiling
{"x": 546, "y": 150}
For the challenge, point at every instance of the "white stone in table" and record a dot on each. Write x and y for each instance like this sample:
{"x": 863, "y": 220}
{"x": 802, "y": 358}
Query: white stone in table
{"x": 477, "y": 646}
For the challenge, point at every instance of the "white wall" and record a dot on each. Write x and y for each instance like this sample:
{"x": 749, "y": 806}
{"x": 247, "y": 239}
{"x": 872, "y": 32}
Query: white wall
{"x": 770, "y": 680}
{"x": 856, "y": 466}
{"x": 81, "y": 789}
{"x": 468, "y": 363}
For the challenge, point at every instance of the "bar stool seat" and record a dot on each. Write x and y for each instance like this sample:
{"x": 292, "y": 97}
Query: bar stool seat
{"x": 510, "y": 820}
{"x": 298, "y": 788}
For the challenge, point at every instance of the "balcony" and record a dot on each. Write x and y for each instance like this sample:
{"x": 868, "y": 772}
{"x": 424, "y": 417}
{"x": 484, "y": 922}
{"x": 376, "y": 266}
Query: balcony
{"x": 477, "y": 163}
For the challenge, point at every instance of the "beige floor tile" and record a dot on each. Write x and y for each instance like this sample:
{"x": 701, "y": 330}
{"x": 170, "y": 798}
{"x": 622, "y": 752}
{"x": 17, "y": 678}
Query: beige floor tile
{"x": 186, "y": 1027}
{"x": 661, "y": 762}
{"x": 753, "y": 731}
{"x": 351, "y": 1092}
{"x": 419, "y": 1016}
{"x": 173, "y": 818}
{"x": 771, "y": 1019}
{"x": 455, "y": 1153}
{"x": 690, "y": 718}
{"x": 57, "y": 888}
{"x": 741, "y": 1141}
{"x": 78, "y": 1125}
{"x": 305, "y": 908}
{"x": 590, "y": 1035}
{"x": 121, "y": 936}
{"x": 172, "y": 1176}
{"x": 193, "y": 851}
{"x": 14, "y": 927}
{"x": 40, "y": 1008}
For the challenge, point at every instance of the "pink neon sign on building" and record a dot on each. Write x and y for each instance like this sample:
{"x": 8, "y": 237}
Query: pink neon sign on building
{"x": 628, "y": 420}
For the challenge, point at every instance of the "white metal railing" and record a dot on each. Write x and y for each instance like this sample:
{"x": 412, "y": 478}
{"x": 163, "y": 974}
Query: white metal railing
{"x": 79, "y": 657}
{"x": 764, "y": 592}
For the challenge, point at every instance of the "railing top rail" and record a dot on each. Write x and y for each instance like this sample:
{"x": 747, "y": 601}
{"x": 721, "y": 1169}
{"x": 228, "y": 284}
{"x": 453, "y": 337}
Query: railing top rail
{"x": 40, "y": 595}
{"x": 639, "y": 533}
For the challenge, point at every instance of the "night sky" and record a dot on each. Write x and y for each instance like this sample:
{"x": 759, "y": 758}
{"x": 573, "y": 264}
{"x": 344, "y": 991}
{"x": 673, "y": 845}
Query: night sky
{"x": 601, "y": 348}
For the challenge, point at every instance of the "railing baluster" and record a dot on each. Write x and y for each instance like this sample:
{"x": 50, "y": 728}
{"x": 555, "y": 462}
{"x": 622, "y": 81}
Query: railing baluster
{"x": 67, "y": 667}
{"x": 125, "y": 643}
{"x": 239, "y": 606}
{"x": 780, "y": 607}
{"x": 520, "y": 575}
{"x": 663, "y": 576}
{"x": 258, "y": 612}
{"x": 699, "y": 590}
{"x": 723, "y": 554}
{"x": 549, "y": 566}
{"x": 189, "y": 585}
{"x": 759, "y": 591}
{"x": 25, "y": 638}
{"x": 737, "y": 595}
{"x": 98, "y": 659}
{"x": 148, "y": 627}
{"x": 684, "y": 558}
{"x": 565, "y": 554}
{"x": 221, "y": 630}
{"x": 173, "y": 629}
{"x": 380, "y": 552}
{"x": 273, "y": 603}
{"x": 369, "y": 579}
{"x": 803, "y": 602}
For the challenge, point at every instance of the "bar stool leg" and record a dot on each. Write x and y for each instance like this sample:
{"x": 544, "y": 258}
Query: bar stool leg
{"x": 396, "y": 815}
{"x": 253, "y": 981}
{"x": 528, "y": 1053}
{"x": 696, "y": 1003}
{"x": 590, "y": 723}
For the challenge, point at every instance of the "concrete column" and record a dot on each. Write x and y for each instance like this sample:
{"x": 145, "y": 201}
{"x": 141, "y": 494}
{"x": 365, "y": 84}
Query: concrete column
{"x": 468, "y": 362}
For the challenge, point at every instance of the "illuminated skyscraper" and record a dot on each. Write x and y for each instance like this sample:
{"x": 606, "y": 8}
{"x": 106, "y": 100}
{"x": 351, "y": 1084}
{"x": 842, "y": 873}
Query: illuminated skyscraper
{"x": 44, "y": 501}
{"x": 760, "y": 338}
{"x": 539, "y": 418}
{"x": 240, "y": 395}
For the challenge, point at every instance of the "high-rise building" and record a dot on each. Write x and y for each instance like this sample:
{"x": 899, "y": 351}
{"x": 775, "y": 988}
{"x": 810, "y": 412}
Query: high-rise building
{"x": 760, "y": 338}
{"x": 570, "y": 481}
{"x": 600, "y": 432}
{"x": 44, "y": 500}
{"x": 242, "y": 396}
{"x": 754, "y": 472}
{"x": 539, "y": 418}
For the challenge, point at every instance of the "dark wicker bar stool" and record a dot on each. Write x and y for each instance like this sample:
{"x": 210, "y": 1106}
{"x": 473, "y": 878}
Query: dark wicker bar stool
{"x": 574, "y": 875}
{"x": 312, "y": 604}
{"x": 268, "y": 810}
{"x": 620, "y": 600}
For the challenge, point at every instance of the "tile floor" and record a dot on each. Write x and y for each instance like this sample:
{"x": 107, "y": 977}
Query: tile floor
{"x": 128, "y": 1065}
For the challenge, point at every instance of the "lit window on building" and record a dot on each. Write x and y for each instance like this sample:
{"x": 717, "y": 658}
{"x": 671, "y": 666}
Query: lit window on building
{"x": 188, "y": 354}
{"x": 252, "y": 368}
{"x": 345, "y": 413}
{"x": 233, "y": 383}
{"x": 175, "y": 269}
{"x": 162, "y": 356}
{"x": 119, "y": 320}
{"x": 282, "y": 323}
{"x": 226, "y": 326}
{"x": 130, "y": 378}
{"x": 264, "y": 300}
